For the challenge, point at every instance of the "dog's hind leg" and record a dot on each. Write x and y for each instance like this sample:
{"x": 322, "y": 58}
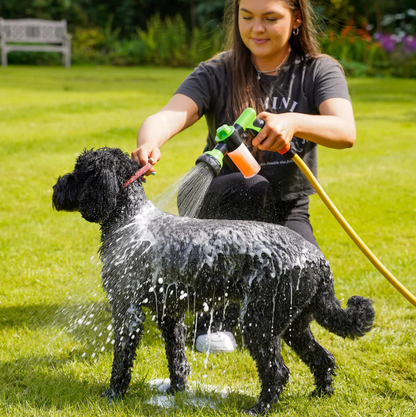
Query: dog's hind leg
{"x": 128, "y": 329}
{"x": 174, "y": 335}
{"x": 265, "y": 349}
{"x": 321, "y": 362}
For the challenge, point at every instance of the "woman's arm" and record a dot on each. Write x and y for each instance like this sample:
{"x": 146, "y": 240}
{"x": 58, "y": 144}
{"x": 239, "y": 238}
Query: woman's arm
{"x": 180, "y": 113}
{"x": 334, "y": 127}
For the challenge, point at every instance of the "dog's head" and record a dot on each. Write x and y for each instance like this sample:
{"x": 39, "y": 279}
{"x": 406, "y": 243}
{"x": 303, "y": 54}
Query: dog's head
{"x": 93, "y": 187}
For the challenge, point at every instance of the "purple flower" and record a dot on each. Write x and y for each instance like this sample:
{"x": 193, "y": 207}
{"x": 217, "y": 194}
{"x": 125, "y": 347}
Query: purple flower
{"x": 388, "y": 42}
{"x": 409, "y": 44}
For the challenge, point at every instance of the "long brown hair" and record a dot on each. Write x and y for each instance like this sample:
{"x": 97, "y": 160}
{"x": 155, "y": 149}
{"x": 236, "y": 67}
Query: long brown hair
{"x": 244, "y": 86}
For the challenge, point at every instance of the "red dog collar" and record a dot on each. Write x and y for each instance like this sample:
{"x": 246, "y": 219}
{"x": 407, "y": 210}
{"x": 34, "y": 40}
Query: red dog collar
{"x": 138, "y": 174}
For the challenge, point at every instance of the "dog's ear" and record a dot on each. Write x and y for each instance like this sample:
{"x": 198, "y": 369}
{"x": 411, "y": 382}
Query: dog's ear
{"x": 66, "y": 193}
{"x": 98, "y": 197}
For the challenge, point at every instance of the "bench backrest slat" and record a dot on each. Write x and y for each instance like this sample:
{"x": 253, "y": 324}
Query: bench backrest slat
{"x": 32, "y": 30}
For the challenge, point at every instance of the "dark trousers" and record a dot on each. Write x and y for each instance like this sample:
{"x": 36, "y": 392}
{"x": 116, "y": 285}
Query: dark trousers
{"x": 233, "y": 197}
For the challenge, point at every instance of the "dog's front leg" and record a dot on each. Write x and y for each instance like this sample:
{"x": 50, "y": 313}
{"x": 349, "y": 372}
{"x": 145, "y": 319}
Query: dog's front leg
{"x": 174, "y": 335}
{"x": 128, "y": 329}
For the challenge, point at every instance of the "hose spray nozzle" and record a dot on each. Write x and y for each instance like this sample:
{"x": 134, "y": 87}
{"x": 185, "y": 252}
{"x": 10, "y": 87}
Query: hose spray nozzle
{"x": 230, "y": 142}
{"x": 214, "y": 158}
{"x": 237, "y": 150}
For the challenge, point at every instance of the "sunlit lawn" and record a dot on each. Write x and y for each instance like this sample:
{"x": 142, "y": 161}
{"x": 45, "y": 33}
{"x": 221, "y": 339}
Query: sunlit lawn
{"x": 55, "y": 343}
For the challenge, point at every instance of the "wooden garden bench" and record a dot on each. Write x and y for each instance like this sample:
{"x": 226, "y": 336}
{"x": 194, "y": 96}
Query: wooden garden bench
{"x": 34, "y": 35}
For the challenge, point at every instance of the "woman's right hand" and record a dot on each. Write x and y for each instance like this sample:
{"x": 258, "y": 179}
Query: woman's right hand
{"x": 178, "y": 114}
{"x": 146, "y": 153}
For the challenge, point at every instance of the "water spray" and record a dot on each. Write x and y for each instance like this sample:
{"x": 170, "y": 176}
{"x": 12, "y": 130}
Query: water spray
{"x": 195, "y": 185}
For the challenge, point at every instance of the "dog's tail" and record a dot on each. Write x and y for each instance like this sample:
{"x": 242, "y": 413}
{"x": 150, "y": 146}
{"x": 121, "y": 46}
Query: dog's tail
{"x": 354, "y": 321}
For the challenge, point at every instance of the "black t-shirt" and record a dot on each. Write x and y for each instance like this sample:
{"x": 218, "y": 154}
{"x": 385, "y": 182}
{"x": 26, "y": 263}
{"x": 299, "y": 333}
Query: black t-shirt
{"x": 301, "y": 86}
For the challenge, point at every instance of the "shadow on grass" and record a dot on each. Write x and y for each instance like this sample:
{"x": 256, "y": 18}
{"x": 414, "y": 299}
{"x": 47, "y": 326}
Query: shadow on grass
{"x": 57, "y": 362}
{"x": 49, "y": 383}
{"x": 56, "y": 382}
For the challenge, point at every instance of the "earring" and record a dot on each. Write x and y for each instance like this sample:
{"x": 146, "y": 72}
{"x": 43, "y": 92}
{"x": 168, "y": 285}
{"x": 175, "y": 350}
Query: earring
{"x": 295, "y": 32}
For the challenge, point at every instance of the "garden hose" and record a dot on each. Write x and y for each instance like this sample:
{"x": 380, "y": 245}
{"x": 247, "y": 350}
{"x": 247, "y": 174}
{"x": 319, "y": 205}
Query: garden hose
{"x": 288, "y": 153}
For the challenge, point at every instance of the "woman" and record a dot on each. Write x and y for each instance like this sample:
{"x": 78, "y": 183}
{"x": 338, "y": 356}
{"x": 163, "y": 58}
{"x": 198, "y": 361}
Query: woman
{"x": 273, "y": 65}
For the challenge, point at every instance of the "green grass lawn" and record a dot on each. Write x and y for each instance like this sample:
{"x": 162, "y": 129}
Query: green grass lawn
{"x": 55, "y": 339}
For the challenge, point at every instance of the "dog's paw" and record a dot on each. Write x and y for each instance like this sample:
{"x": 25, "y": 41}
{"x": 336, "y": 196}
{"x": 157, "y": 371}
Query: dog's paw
{"x": 257, "y": 410}
{"x": 173, "y": 389}
{"x": 250, "y": 412}
{"x": 323, "y": 391}
{"x": 110, "y": 395}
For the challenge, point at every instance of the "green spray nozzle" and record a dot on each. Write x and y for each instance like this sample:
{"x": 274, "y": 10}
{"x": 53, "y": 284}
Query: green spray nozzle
{"x": 248, "y": 120}
{"x": 231, "y": 134}
{"x": 214, "y": 158}
{"x": 217, "y": 154}
{"x": 224, "y": 132}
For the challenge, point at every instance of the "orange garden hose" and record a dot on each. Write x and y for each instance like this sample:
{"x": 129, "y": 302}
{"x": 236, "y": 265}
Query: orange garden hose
{"x": 351, "y": 233}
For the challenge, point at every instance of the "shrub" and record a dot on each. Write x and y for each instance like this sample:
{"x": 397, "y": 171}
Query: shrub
{"x": 165, "y": 43}
{"x": 169, "y": 43}
{"x": 87, "y": 45}
{"x": 365, "y": 55}
{"x": 401, "y": 53}
{"x": 356, "y": 50}
{"x": 34, "y": 58}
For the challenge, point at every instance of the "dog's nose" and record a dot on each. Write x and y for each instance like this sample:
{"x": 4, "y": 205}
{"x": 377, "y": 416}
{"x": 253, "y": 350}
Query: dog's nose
{"x": 65, "y": 194}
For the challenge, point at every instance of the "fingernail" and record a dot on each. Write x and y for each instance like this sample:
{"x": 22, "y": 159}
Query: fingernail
{"x": 153, "y": 173}
{"x": 152, "y": 160}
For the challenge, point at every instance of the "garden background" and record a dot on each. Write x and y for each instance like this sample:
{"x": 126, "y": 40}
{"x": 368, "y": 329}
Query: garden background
{"x": 55, "y": 326}
{"x": 370, "y": 38}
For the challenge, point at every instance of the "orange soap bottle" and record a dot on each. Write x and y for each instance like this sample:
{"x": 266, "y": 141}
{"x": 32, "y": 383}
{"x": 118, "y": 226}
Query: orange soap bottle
{"x": 238, "y": 151}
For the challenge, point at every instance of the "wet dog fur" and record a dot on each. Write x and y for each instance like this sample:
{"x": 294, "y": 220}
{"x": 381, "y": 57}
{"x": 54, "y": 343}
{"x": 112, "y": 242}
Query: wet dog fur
{"x": 168, "y": 264}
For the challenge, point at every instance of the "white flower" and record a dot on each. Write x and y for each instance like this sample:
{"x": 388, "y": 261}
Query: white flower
{"x": 387, "y": 19}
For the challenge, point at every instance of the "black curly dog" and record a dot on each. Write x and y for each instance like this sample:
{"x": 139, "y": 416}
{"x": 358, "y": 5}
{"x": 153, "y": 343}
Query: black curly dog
{"x": 170, "y": 264}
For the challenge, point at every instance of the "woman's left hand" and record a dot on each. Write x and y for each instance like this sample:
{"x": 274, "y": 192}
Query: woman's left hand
{"x": 277, "y": 132}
